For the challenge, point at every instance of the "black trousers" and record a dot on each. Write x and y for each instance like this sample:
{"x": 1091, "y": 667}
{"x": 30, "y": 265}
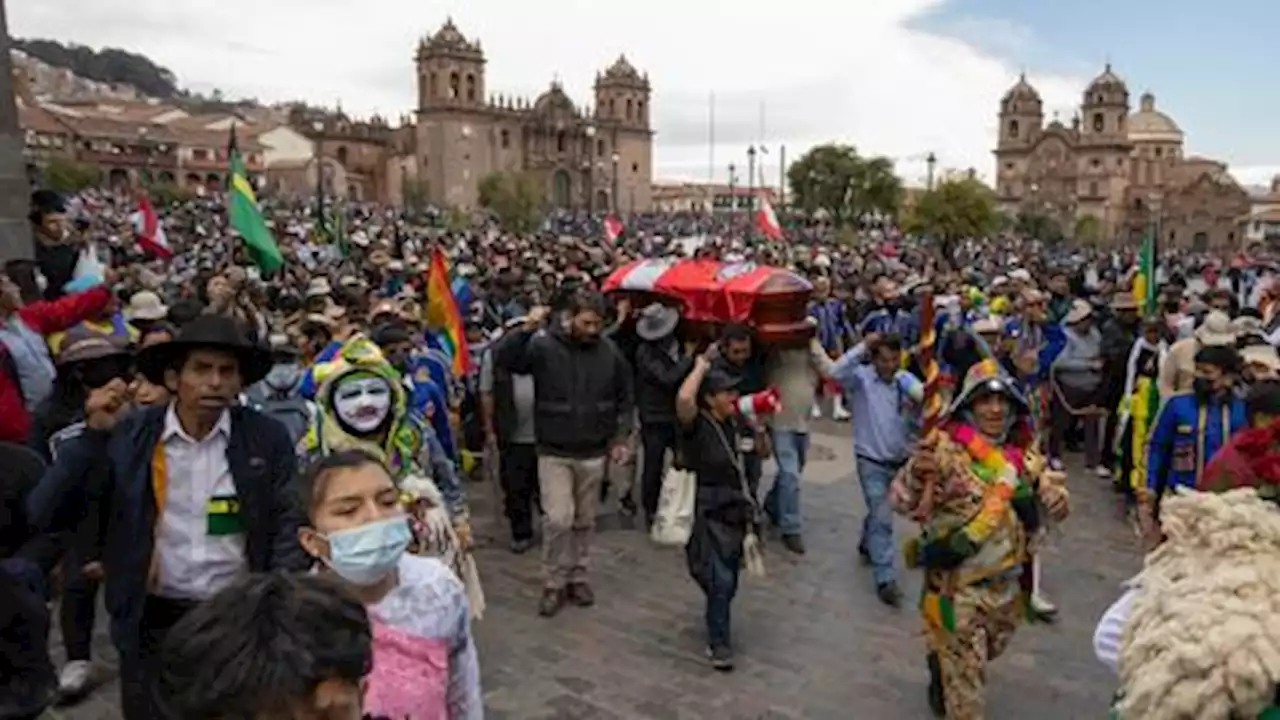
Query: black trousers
{"x": 139, "y": 669}
{"x": 518, "y": 474}
{"x": 77, "y": 609}
{"x": 656, "y": 438}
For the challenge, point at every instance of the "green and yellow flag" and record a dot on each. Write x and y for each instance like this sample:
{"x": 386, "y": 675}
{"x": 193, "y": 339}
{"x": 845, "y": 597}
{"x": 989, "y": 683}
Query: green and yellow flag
{"x": 246, "y": 218}
{"x": 1144, "y": 283}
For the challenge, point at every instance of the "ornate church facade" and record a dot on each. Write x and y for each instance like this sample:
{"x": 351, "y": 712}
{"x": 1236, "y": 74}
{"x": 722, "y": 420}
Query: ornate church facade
{"x": 598, "y": 157}
{"x": 1113, "y": 173}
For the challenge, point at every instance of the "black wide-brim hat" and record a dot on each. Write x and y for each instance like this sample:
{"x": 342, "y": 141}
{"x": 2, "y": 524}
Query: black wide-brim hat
{"x": 207, "y": 332}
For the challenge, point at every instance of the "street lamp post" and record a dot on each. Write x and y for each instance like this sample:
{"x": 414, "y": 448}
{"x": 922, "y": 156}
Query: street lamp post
{"x": 733, "y": 199}
{"x": 146, "y": 156}
{"x": 318, "y": 127}
{"x": 751, "y": 187}
{"x": 589, "y": 167}
{"x": 930, "y": 161}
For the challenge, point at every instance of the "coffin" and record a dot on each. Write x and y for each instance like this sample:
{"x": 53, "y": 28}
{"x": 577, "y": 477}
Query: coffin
{"x": 773, "y": 301}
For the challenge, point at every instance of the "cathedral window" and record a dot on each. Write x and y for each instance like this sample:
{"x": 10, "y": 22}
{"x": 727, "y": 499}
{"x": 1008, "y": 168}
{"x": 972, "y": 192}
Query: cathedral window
{"x": 506, "y": 139}
{"x": 1095, "y": 163}
{"x": 600, "y": 148}
{"x": 455, "y": 86}
{"x": 1159, "y": 152}
{"x": 471, "y": 88}
{"x": 433, "y": 86}
{"x": 639, "y": 109}
{"x": 613, "y": 110}
{"x": 1013, "y": 129}
{"x": 1093, "y": 189}
{"x": 630, "y": 109}
{"x": 560, "y": 141}
{"x": 1098, "y": 122}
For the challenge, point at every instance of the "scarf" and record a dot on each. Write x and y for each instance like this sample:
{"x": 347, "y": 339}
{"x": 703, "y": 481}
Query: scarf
{"x": 1131, "y": 367}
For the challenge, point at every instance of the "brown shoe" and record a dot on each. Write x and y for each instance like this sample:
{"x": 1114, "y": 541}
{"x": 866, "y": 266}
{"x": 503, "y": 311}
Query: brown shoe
{"x": 580, "y": 594}
{"x": 551, "y": 602}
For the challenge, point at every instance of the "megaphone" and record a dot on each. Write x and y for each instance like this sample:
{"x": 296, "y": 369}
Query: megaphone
{"x": 765, "y": 402}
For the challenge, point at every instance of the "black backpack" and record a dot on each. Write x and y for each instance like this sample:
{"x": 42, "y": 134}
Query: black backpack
{"x": 295, "y": 414}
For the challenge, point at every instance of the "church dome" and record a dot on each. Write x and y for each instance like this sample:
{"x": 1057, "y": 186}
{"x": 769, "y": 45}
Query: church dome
{"x": 1022, "y": 90}
{"x": 1149, "y": 124}
{"x": 622, "y": 73}
{"x": 1106, "y": 88}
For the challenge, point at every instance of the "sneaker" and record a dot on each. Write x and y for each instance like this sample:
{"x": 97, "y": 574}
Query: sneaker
{"x": 1102, "y": 471}
{"x": 521, "y": 546}
{"x": 73, "y": 681}
{"x": 721, "y": 658}
{"x": 551, "y": 602}
{"x": 864, "y": 555}
{"x": 1055, "y": 464}
{"x": 794, "y": 543}
{"x": 890, "y": 594}
{"x": 627, "y": 507}
{"x": 580, "y": 594}
{"x": 816, "y": 413}
{"x": 839, "y": 414}
{"x": 1044, "y": 610}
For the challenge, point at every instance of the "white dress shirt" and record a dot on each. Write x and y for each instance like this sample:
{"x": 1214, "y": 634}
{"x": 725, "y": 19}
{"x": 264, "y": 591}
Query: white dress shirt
{"x": 193, "y": 565}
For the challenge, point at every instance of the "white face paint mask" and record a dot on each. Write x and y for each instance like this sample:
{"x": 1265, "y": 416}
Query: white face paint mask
{"x": 362, "y": 404}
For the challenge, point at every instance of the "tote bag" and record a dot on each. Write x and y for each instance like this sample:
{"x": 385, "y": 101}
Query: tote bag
{"x": 673, "y": 523}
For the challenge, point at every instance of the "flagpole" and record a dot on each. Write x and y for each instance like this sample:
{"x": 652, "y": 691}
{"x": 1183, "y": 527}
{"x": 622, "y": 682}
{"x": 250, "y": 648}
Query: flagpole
{"x": 711, "y": 139}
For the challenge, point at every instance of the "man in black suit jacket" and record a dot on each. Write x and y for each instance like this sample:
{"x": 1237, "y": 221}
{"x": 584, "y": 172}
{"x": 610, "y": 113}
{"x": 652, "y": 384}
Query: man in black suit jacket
{"x": 200, "y": 491}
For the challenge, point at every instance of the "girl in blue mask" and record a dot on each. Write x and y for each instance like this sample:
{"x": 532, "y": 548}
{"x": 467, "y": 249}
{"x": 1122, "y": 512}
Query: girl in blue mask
{"x": 425, "y": 665}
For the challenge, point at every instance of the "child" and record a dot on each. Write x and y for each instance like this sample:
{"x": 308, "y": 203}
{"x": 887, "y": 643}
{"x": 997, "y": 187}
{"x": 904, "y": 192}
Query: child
{"x": 268, "y": 646}
{"x": 425, "y": 665}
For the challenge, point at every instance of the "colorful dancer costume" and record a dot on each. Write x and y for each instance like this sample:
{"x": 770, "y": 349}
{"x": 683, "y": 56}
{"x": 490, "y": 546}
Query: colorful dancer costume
{"x": 363, "y": 404}
{"x": 980, "y": 492}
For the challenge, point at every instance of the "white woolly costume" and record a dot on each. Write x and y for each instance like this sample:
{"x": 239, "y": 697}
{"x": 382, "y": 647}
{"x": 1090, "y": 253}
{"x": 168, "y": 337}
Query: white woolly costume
{"x": 1203, "y": 639}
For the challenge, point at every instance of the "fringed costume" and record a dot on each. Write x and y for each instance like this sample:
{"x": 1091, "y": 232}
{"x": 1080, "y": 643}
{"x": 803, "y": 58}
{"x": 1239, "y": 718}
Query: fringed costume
{"x": 980, "y": 501}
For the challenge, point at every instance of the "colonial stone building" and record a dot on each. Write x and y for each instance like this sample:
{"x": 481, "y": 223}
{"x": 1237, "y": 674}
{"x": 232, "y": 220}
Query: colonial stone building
{"x": 1113, "y": 173}
{"x": 598, "y": 158}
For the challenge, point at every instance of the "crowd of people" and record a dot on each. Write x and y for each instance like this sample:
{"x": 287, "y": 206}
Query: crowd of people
{"x": 193, "y": 435}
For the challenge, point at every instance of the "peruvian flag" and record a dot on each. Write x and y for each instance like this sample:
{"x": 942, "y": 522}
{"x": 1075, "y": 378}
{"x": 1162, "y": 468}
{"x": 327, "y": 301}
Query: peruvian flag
{"x": 150, "y": 233}
{"x": 612, "y": 228}
{"x": 767, "y": 221}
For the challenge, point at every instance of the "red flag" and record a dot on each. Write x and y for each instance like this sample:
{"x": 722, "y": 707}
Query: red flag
{"x": 767, "y": 221}
{"x": 150, "y": 233}
{"x": 613, "y": 228}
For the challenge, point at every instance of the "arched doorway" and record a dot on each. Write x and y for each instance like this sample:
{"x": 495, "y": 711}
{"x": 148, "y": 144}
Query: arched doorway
{"x": 1200, "y": 242}
{"x": 192, "y": 180}
{"x": 602, "y": 200}
{"x": 213, "y": 181}
{"x": 561, "y": 186}
{"x": 118, "y": 176}
{"x": 166, "y": 178}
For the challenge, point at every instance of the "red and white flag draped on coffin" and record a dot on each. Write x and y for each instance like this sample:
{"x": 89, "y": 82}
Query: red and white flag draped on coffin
{"x": 709, "y": 290}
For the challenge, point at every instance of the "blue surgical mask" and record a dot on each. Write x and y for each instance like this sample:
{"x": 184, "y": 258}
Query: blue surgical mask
{"x": 366, "y": 554}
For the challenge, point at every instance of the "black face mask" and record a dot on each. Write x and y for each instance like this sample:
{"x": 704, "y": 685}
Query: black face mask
{"x": 1203, "y": 388}
{"x": 1171, "y": 307}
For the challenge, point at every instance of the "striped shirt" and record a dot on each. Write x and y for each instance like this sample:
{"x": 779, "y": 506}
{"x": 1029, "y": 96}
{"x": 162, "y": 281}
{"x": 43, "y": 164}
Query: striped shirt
{"x": 1108, "y": 637}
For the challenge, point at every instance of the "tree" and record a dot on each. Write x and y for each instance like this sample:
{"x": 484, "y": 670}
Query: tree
{"x": 836, "y": 180}
{"x": 66, "y": 175}
{"x": 415, "y": 194}
{"x": 167, "y": 194}
{"x": 1039, "y": 226}
{"x": 1088, "y": 230}
{"x": 956, "y": 208}
{"x": 514, "y": 199}
{"x": 109, "y": 65}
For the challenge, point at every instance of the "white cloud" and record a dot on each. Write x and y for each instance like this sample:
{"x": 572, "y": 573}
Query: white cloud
{"x": 846, "y": 71}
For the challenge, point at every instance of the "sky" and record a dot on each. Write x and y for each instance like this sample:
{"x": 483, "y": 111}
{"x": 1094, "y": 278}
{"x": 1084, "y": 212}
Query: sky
{"x": 899, "y": 78}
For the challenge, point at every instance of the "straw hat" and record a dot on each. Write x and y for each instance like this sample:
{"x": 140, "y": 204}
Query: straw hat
{"x": 146, "y": 305}
{"x": 1080, "y": 311}
{"x": 319, "y": 287}
{"x": 1216, "y": 330}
